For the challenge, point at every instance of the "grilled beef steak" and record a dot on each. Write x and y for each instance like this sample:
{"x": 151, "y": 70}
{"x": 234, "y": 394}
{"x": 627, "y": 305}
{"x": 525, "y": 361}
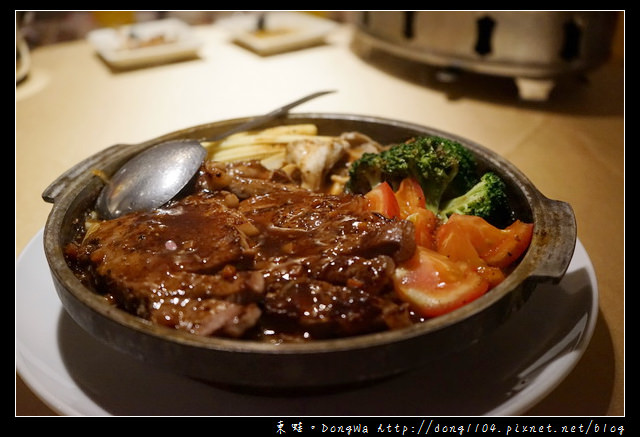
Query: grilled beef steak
{"x": 251, "y": 254}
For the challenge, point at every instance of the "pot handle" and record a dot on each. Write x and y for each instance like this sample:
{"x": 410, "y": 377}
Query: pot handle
{"x": 556, "y": 236}
{"x": 58, "y": 186}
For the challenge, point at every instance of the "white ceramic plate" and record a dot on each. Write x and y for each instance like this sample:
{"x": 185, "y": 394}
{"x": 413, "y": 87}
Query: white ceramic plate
{"x": 133, "y": 46}
{"x": 283, "y": 31}
{"x": 504, "y": 374}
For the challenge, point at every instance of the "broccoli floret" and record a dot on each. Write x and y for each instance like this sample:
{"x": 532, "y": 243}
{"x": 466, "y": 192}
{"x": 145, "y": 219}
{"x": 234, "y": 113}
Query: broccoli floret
{"x": 365, "y": 173}
{"x": 374, "y": 168}
{"x": 435, "y": 169}
{"x": 467, "y": 172}
{"x": 444, "y": 168}
{"x": 486, "y": 199}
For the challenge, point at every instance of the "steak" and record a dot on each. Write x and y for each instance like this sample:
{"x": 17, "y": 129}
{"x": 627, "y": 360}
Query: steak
{"x": 250, "y": 254}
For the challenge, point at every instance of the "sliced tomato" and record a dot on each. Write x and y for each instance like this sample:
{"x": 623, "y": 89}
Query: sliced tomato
{"x": 425, "y": 224}
{"x": 462, "y": 235}
{"x": 382, "y": 200}
{"x": 434, "y": 284}
{"x": 410, "y": 197}
{"x": 454, "y": 243}
{"x": 411, "y": 202}
{"x": 512, "y": 247}
{"x": 493, "y": 275}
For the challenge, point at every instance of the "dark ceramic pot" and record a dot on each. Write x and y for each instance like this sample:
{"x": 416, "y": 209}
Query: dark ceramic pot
{"x": 315, "y": 364}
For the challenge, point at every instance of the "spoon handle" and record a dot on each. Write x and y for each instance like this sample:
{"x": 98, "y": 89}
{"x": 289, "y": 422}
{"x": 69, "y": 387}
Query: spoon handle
{"x": 257, "y": 121}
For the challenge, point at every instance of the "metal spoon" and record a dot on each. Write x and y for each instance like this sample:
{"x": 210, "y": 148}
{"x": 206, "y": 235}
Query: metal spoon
{"x": 160, "y": 173}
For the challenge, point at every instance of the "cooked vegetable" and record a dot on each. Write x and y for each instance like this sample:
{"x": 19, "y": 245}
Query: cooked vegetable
{"x": 425, "y": 224}
{"x": 367, "y": 172}
{"x": 411, "y": 203}
{"x": 471, "y": 257}
{"x": 442, "y": 167}
{"x": 435, "y": 285}
{"x": 496, "y": 247}
{"x": 383, "y": 201}
{"x": 410, "y": 197}
{"x": 457, "y": 260}
{"x": 486, "y": 199}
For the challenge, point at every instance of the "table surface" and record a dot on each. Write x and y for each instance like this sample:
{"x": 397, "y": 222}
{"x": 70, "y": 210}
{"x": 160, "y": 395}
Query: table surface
{"x": 571, "y": 147}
